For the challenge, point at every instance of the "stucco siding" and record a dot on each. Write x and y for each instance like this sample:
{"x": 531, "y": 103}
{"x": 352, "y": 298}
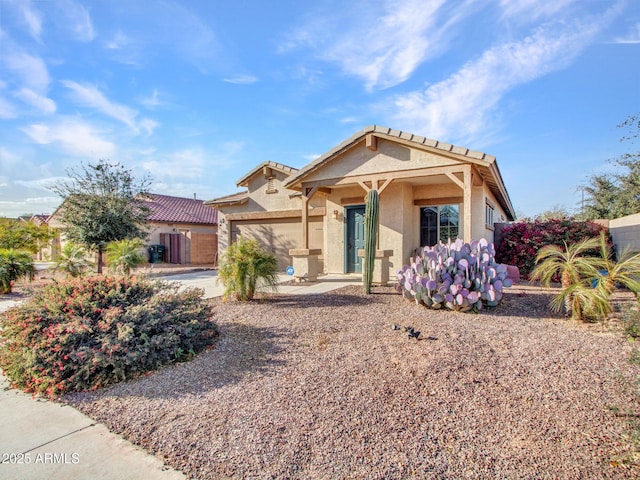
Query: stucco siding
{"x": 280, "y": 235}
{"x": 625, "y": 232}
{"x": 388, "y": 157}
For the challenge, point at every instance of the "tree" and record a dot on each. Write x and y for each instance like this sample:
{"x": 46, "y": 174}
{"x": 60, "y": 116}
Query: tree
{"x": 244, "y": 265}
{"x": 21, "y": 235}
{"x": 124, "y": 255}
{"x": 14, "y": 264}
{"x": 613, "y": 195}
{"x": 556, "y": 211}
{"x": 103, "y": 203}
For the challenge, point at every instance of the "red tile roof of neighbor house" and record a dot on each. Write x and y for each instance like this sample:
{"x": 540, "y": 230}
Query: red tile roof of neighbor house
{"x": 167, "y": 209}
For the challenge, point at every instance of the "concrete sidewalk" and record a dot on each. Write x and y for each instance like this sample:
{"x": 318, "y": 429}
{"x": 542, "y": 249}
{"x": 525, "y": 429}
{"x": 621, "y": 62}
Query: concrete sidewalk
{"x": 44, "y": 440}
{"x": 208, "y": 281}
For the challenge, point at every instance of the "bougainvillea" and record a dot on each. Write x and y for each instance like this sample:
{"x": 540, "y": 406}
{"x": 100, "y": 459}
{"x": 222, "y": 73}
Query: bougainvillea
{"x": 521, "y": 241}
{"x": 456, "y": 275}
{"x": 82, "y": 334}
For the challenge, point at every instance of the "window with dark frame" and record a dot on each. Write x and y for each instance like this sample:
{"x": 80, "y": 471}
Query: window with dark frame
{"x": 488, "y": 215}
{"x": 439, "y": 223}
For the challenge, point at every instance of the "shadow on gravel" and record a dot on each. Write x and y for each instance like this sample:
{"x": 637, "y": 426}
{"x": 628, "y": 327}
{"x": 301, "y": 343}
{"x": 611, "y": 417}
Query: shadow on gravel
{"x": 241, "y": 350}
{"x": 531, "y": 304}
{"x": 320, "y": 300}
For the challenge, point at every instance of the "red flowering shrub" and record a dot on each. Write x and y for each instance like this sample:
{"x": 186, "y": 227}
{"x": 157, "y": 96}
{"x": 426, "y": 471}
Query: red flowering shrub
{"x": 521, "y": 241}
{"x": 86, "y": 333}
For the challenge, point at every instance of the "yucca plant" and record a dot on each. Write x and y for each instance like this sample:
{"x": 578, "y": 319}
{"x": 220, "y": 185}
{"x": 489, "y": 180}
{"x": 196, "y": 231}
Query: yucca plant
{"x": 576, "y": 272}
{"x": 73, "y": 260}
{"x": 14, "y": 264}
{"x": 244, "y": 267}
{"x": 125, "y": 255}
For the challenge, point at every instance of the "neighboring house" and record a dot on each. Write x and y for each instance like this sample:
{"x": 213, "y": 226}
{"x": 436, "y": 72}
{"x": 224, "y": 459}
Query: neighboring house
{"x": 186, "y": 228}
{"x": 313, "y": 218}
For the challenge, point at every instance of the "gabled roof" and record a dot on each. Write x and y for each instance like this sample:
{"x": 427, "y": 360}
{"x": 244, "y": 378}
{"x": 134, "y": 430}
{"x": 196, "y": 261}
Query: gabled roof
{"x": 233, "y": 199}
{"x": 164, "y": 208}
{"x": 287, "y": 170}
{"x": 40, "y": 219}
{"x": 485, "y": 163}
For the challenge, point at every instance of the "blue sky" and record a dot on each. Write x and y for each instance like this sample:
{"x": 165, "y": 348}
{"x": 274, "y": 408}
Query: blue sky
{"x": 197, "y": 93}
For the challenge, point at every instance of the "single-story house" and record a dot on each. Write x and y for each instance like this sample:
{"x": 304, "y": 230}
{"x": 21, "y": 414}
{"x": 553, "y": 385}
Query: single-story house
{"x": 187, "y": 229}
{"x": 313, "y": 218}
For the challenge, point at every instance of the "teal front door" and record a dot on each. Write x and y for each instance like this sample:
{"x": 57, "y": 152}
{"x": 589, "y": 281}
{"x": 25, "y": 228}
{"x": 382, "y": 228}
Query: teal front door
{"x": 354, "y": 239}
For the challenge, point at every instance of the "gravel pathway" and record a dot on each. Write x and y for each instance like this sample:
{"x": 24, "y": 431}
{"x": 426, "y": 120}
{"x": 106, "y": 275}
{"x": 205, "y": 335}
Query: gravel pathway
{"x": 322, "y": 387}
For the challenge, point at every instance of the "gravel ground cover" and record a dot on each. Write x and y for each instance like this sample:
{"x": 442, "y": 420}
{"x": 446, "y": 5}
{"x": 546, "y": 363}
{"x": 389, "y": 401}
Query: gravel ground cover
{"x": 322, "y": 387}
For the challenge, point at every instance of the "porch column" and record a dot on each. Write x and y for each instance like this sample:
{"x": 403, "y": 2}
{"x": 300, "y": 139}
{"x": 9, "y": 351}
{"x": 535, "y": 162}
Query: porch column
{"x": 305, "y": 260}
{"x": 307, "y": 193}
{"x": 466, "y": 206}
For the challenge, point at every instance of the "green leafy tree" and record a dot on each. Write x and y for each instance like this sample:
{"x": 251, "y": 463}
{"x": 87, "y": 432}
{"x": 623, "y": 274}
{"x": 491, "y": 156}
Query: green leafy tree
{"x": 73, "y": 260}
{"x": 21, "y": 235}
{"x": 613, "y": 195}
{"x": 125, "y": 255}
{"x": 103, "y": 203}
{"x": 14, "y": 264}
{"x": 244, "y": 267}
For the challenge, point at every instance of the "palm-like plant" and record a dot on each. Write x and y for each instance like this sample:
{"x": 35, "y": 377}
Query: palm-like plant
{"x": 125, "y": 255}
{"x": 73, "y": 260}
{"x": 576, "y": 271}
{"x": 244, "y": 267}
{"x": 14, "y": 264}
{"x": 625, "y": 271}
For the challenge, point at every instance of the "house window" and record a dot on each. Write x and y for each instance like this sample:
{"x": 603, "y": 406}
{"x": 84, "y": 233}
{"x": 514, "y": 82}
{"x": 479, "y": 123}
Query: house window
{"x": 438, "y": 223}
{"x": 488, "y": 215}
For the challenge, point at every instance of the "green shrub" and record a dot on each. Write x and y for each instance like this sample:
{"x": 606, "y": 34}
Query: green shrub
{"x": 244, "y": 267}
{"x": 73, "y": 260}
{"x": 520, "y": 242}
{"x": 14, "y": 264}
{"x": 124, "y": 255}
{"x": 87, "y": 333}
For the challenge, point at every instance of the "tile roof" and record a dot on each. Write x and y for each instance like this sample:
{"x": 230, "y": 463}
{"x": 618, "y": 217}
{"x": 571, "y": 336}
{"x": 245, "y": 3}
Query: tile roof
{"x": 286, "y": 169}
{"x": 233, "y": 199}
{"x": 486, "y": 163}
{"x": 164, "y": 208}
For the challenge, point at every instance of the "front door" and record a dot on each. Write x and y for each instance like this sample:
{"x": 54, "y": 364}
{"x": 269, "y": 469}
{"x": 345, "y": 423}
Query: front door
{"x": 354, "y": 239}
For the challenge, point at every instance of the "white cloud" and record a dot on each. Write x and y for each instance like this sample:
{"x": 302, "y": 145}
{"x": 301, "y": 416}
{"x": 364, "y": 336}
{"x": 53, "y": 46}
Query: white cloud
{"x": 632, "y": 36}
{"x": 311, "y": 157}
{"x": 8, "y": 159}
{"x": 188, "y": 163}
{"x": 30, "y": 16}
{"x": 460, "y": 108}
{"x": 73, "y": 137}
{"x": 529, "y": 10}
{"x": 76, "y": 19}
{"x": 148, "y": 125}
{"x": 7, "y": 109}
{"x": 30, "y": 69}
{"x": 89, "y": 96}
{"x": 383, "y": 45}
{"x": 43, "y": 104}
{"x": 241, "y": 79}
{"x": 192, "y": 162}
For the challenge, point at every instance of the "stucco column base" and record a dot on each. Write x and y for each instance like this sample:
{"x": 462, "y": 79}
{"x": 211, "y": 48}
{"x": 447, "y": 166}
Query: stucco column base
{"x": 305, "y": 263}
{"x": 380, "y": 266}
